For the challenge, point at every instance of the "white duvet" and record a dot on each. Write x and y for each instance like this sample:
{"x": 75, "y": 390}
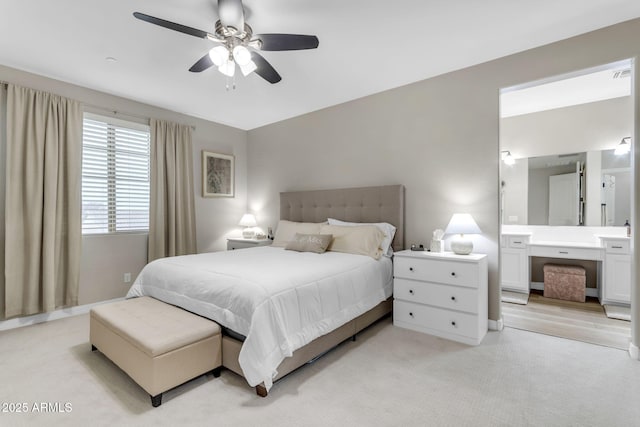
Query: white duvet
{"x": 279, "y": 300}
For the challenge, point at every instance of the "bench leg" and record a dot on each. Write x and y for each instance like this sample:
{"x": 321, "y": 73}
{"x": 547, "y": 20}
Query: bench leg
{"x": 216, "y": 371}
{"x": 261, "y": 390}
{"x": 93, "y": 347}
{"x": 156, "y": 400}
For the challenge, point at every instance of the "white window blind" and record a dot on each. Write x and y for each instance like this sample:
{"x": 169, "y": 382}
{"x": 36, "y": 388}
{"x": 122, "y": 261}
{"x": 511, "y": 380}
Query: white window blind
{"x": 115, "y": 175}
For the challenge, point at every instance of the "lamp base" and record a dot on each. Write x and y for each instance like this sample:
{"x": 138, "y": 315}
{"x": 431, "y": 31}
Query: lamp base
{"x": 248, "y": 233}
{"x": 461, "y": 245}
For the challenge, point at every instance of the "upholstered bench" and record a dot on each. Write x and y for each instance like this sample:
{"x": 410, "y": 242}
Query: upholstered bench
{"x": 158, "y": 345}
{"x": 565, "y": 282}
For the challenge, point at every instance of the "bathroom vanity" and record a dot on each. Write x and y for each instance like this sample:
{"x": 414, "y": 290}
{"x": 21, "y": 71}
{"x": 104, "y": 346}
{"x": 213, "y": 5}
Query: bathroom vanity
{"x": 607, "y": 246}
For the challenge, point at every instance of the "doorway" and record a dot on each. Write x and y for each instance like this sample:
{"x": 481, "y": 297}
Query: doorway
{"x": 570, "y": 129}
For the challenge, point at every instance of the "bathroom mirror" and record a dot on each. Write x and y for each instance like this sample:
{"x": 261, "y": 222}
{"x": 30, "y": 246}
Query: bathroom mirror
{"x": 586, "y": 188}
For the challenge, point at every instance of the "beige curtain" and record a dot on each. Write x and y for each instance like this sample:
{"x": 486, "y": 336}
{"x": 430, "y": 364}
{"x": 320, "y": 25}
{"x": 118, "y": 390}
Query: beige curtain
{"x": 43, "y": 201}
{"x": 172, "y": 224}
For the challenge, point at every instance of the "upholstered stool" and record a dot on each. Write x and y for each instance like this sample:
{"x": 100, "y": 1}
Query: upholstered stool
{"x": 158, "y": 345}
{"x": 565, "y": 282}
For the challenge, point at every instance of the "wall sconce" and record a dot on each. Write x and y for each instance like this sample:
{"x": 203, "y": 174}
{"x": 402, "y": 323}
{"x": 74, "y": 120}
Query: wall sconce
{"x": 507, "y": 158}
{"x": 462, "y": 224}
{"x": 624, "y": 147}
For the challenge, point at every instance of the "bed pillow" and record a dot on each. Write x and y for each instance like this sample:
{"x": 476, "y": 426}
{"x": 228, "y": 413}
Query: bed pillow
{"x": 388, "y": 229}
{"x": 286, "y": 231}
{"x": 360, "y": 239}
{"x": 316, "y": 243}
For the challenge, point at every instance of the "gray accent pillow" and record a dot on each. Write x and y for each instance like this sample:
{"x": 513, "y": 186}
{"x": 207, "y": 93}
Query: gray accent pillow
{"x": 317, "y": 243}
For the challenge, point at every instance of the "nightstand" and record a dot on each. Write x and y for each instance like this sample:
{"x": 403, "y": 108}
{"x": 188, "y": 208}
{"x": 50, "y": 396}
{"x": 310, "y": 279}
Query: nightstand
{"x": 441, "y": 294}
{"x": 241, "y": 243}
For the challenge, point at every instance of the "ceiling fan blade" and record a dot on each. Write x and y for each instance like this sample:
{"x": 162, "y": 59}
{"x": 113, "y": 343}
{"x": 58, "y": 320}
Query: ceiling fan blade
{"x": 231, "y": 13}
{"x": 265, "y": 70}
{"x": 171, "y": 25}
{"x": 287, "y": 41}
{"x": 202, "y": 64}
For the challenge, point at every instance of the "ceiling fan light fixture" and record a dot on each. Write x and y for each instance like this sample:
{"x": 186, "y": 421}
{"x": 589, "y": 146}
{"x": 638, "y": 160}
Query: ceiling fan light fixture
{"x": 248, "y": 68}
{"x": 228, "y": 68}
{"x": 219, "y": 55}
{"x": 241, "y": 55}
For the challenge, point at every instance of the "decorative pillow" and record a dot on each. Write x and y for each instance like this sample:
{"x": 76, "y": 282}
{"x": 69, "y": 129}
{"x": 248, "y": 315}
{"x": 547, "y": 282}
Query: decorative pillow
{"x": 388, "y": 229}
{"x": 309, "y": 243}
{"x": 360, "y": 239}
{"x": 287, "y": 230}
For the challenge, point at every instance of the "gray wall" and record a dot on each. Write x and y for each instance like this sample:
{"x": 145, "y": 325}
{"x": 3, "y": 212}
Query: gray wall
{"x": 105, "y": 258}
{"x": 439, "y": 137}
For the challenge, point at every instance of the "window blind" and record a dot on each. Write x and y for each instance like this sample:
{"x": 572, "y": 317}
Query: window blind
{"x": 115, "y": 175}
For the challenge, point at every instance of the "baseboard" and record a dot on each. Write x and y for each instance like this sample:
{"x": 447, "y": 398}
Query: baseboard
{"x": 590, "y": 292}
{"x": 634, "y": 351}
{"x": 496, "y": 325}
{"x": 19, "y": 322}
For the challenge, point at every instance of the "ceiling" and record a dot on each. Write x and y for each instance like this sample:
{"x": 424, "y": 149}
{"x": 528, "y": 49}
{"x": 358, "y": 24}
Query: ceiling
{"x": 366, "y": 46}
{"x": 581, "y": 87}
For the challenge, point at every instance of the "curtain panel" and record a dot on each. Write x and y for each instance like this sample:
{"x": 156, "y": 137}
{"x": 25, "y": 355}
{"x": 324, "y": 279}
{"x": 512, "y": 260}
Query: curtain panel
{"x": 172, "y": 225}
{"x": 43, "y": 201}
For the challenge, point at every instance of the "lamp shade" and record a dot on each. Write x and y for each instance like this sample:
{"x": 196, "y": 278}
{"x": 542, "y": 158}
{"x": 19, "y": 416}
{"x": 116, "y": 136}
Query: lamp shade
{"x": 248, "y": 220}
{"x": 462, "y": 224}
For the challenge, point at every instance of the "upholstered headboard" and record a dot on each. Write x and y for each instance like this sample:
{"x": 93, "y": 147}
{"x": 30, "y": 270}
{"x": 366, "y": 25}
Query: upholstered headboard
{"x": 365, "y": 204}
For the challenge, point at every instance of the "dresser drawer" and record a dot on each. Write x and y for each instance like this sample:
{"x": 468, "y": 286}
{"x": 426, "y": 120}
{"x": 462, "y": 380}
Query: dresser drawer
{"x": 425, "y": 318}
{"x": 439, "y": 271}
{"x": 616, "y": 247}
{"x": 449, "y": 297}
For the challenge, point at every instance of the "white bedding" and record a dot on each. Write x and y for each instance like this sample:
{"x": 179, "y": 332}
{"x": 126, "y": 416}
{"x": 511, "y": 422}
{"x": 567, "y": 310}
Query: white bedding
{"x": 279, "y": 300}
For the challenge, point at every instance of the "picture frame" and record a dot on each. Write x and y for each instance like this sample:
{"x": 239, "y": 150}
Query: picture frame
{"x": 218, "y": 174}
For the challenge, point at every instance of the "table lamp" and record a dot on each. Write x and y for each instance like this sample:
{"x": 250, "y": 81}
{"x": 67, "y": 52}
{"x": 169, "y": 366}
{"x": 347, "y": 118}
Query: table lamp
{"x": 248, "y": 221}
{"x": 462, "y": 224}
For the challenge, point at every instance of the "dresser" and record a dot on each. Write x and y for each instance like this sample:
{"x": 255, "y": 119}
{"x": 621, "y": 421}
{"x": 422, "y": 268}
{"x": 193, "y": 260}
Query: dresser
{"x": 240, "y": 243}
{"x": 441, "y": 294}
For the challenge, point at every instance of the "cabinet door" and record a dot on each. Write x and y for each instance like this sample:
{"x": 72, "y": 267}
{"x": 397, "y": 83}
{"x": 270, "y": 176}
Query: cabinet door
{"x": 514, "y": 270}
{"x": 617, "y": 285}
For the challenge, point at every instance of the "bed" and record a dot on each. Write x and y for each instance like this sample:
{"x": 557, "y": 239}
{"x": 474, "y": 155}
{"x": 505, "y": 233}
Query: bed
{"x": 280, "y": 308}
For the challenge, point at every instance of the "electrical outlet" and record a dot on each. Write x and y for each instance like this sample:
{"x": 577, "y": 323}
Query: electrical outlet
{"x": 127, "y": 277}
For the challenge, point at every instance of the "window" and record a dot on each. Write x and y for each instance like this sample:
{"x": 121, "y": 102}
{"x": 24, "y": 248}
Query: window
{"x": 115, "y": 175}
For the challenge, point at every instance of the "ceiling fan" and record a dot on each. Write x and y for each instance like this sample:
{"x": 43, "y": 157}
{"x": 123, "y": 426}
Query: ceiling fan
{"x": 237, "y": 45}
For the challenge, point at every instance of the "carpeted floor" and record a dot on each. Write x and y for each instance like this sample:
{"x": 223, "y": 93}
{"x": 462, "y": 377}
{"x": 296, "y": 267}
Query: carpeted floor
{"x": 388, "y": 377}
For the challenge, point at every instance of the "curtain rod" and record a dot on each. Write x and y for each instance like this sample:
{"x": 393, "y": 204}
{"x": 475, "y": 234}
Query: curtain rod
{"x": 115, "y": 112}
{"x": 122, "y": 113}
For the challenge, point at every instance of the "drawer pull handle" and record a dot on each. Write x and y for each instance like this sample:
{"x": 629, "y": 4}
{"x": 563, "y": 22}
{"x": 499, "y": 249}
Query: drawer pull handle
{"x": 616, "y": 247}
{"x": 411, "y": 314}
{"x": 453, "y": 274}
{"x": 453, "y": 323}
{"x": 517, "y": 243}
{"x": 410, "y": 268}
{"x": 453, "y": 298}
{"x": 411, "y": 291}
{"x": 563, "y": 252}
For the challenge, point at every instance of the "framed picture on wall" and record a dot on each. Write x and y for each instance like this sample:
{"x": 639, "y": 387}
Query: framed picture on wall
{"x": 217, "y": 175}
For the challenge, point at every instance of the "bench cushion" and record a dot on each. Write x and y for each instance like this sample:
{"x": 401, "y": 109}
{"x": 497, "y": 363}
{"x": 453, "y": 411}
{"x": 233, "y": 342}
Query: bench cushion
{"x": 159, "y": 327}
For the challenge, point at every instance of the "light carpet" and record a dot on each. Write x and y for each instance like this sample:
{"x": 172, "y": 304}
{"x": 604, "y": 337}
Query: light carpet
{"x": 617, "y": 312}
{"x": 388, "y": 377}
{"x": 515, "y": 297}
